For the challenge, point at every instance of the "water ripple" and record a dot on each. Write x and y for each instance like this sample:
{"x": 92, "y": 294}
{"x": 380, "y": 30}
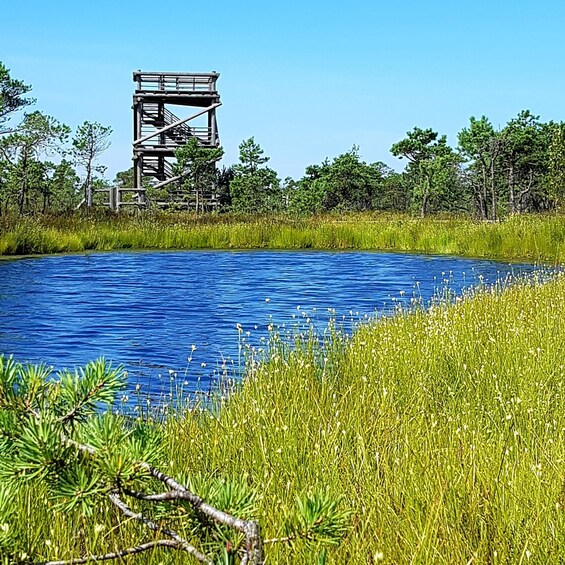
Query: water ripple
{"x": 147, "y": 309}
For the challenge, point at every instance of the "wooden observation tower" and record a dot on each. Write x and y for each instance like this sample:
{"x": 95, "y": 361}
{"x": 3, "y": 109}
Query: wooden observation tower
{"x": 158, "y": 132}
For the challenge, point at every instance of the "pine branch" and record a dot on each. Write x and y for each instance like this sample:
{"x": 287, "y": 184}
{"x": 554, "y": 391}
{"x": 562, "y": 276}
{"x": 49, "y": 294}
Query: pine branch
{"x": 116, "y": 554}
{"x": 250, "y": 528}
{"x": 88, "y": 396}
{"x": 181, "y": 492}
{"x": 253, "y": 541}
{"x": 81, "y": 447}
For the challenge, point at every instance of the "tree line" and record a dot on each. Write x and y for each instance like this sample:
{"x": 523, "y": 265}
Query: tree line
{"x": 491, "y": 172}
{"x": 29, "y": 180}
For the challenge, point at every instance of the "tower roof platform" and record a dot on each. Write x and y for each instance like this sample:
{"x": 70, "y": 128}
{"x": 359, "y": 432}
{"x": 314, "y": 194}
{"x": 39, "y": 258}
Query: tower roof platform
{"x": 179, "y": 89}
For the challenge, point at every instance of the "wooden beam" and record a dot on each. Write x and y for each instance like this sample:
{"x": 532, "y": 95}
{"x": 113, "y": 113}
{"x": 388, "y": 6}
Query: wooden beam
{"x": 168, "y": 181}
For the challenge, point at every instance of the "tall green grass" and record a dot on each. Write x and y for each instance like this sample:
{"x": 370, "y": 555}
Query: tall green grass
{"x": 520, "y": 238}
{"x": 442, "y": 430}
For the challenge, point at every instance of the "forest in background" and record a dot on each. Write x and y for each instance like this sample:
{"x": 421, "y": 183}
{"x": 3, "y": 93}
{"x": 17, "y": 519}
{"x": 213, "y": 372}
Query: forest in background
{"x": 45, "y": 167}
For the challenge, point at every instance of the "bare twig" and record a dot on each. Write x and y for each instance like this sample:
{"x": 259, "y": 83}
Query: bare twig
{"x": 181, "y": 542}
{"x": 117, "y": 554}
{"x": 288, "y": 539}
{"x": 80, "y": 446}
{"x": 285, "y": 539}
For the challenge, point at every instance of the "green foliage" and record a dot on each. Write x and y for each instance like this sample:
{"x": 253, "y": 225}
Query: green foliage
{"x": 90, "y": 141}
{"x": 481, "y": 146}
{"x": 12, "y": 94}
{"x": 38, "y": 134}
{"x": 63, "y": 188}
{"x": 41, "y": 419}
{"x": 251, "y": 157}
{"x": 525, "y": 159}
{"x": 197, "y": 166}
{"x": 124, "y": 179}
{"x": 309, "y": 193}
{"x": 254, "y": 188}
{"x": 346, "y": 184}
{"x": 432, "y": 169}
{"x": 319, "y": 519}
{"x": 555, "y": 179}
{"x": 61, "y": 443}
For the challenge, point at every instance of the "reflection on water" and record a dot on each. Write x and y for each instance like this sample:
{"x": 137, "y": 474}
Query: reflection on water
{"x": 148, "y": 310}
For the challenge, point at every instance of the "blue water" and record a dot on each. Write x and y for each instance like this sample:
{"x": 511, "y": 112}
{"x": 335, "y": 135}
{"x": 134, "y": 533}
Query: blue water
{"x": 148, "y": 310}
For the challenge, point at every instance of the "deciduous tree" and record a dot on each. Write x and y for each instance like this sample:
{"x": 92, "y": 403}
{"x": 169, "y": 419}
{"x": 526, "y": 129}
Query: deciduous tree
{"x": 38, "y": 134}
{"x": 90, "y": 141}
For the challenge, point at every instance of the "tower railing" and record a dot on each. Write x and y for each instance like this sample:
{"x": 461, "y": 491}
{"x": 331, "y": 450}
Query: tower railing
{"x": 182, "y": 83}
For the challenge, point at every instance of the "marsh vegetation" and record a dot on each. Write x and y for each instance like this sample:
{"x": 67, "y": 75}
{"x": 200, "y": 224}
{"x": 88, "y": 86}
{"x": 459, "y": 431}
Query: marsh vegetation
{"x": 534, "y": 238}
{"x": 439, "y": 432}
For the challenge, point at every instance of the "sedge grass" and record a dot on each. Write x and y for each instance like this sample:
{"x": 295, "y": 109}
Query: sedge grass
{"x": 442, "y": 430}
{"x": 535, "y": 238}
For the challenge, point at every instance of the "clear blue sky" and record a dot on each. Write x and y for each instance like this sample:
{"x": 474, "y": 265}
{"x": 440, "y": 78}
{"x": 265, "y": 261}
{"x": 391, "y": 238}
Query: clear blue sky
{"x": 307, "y": 79}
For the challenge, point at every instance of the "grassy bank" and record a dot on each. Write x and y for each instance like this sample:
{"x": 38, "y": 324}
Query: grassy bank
{"x": 442, "y": 431}
{"x": 521, "y": 238}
